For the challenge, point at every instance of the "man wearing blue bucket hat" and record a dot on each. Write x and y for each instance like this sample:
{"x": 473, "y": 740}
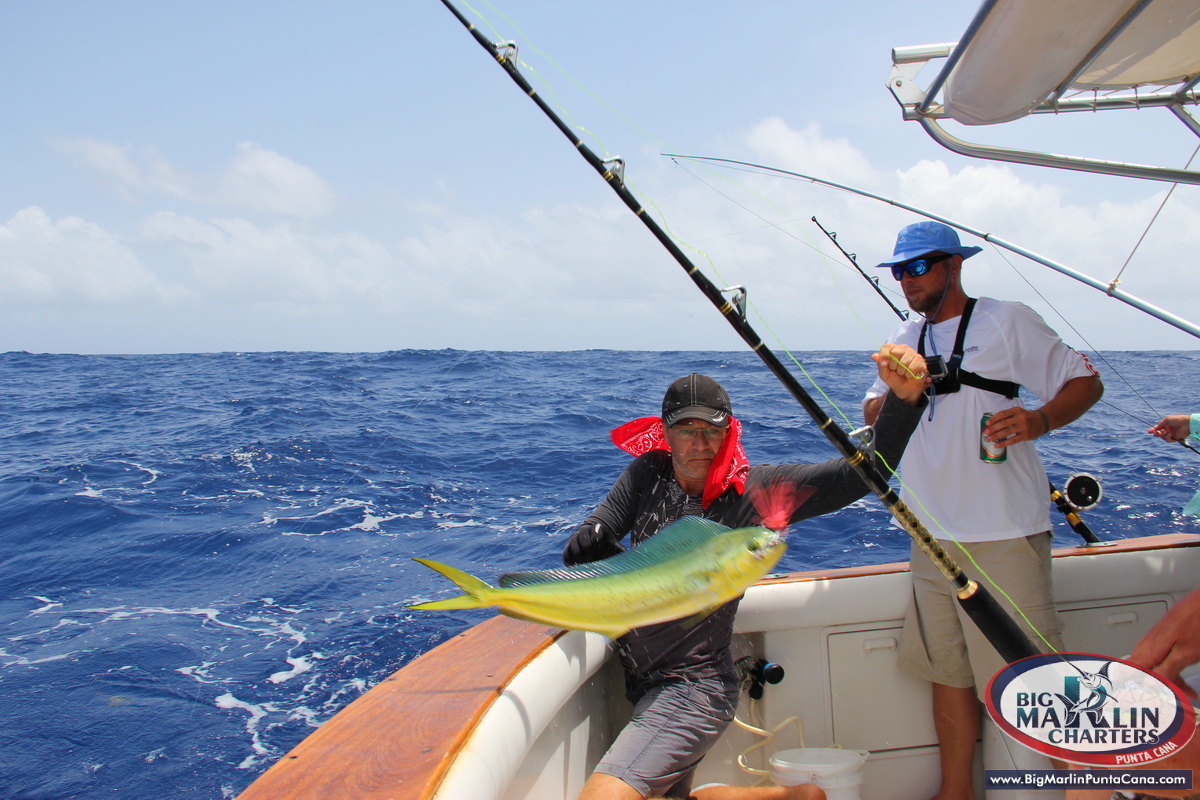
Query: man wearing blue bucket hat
{"x": 973, "y": 476}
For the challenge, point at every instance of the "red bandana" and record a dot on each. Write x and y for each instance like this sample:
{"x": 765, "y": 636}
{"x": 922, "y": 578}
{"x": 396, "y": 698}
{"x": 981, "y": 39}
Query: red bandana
{"x": 729, "y": 466}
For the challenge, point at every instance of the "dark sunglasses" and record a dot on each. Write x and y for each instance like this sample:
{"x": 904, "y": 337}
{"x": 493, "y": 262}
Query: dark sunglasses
{"x": 917, "y": 267}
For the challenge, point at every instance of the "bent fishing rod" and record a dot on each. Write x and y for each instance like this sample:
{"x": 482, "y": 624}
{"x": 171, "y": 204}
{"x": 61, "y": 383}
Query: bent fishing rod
{"x": 1109, "y": 289}
{"x": 1061, "y": 502}
{"x": 1009, "y": 640}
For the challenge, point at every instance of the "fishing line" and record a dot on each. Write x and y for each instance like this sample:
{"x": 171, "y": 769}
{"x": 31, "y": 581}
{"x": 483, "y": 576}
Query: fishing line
{"x": 633, "y": 125}
{"x": 1073, "y": 518}
{"x": 495, "y": 49}
{"x": 1009, "y": 640}
{"x": 778, "y": 340}
{"x": 825, "y": 258}
{"x": 1099, "y": 353}
{"x": 584, "y": 88}
{"x": 743, "y": 166}
{"x": 1150, "y": 224}
{"x": 1109, "y": 289}
{"x": 512, "y": 53}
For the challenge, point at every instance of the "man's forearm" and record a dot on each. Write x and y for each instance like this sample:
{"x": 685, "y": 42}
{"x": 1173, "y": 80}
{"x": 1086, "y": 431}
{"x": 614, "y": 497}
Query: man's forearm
{"x": 1073, "y": 399}
{"x": 871, "y": 409}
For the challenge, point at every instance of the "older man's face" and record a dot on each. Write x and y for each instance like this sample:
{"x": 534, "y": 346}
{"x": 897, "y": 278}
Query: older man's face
{"x": 694, "y": 444}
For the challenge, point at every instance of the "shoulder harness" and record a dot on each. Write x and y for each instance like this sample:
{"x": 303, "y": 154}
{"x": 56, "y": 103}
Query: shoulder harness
{"x": 956, "y": 377}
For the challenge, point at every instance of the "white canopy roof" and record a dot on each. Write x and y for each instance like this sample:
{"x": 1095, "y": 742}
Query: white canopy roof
{"x": 1021, "y": 57}
{"x": 1024, "y": 52}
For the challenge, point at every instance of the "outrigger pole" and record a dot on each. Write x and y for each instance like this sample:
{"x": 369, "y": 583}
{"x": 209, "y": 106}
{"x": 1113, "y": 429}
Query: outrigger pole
{"x": 1109, "y": 289}
{"x": 1009, "y": 640}
{"x": 1072, "y": 515}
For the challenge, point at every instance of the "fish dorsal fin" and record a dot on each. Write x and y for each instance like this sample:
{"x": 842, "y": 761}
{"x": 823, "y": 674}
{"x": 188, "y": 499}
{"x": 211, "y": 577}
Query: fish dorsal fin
{"x": 676, "y": 539}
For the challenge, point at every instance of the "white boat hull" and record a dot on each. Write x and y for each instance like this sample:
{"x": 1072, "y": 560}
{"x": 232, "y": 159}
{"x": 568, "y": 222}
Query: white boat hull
{"x": 515, "y": 711}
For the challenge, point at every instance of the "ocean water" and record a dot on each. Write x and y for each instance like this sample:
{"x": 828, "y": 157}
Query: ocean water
{"x": 206, "y": 556}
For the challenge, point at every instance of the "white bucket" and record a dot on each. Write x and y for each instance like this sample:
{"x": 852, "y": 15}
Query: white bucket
{"x": 838, "y": 772}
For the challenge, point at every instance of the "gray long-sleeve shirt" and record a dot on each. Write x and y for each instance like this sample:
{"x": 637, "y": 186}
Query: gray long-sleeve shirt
{"x": 647, "y": 497}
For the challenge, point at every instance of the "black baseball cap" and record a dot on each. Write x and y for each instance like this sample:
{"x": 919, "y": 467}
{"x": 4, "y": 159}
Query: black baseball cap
{"x": 696, "y": 397}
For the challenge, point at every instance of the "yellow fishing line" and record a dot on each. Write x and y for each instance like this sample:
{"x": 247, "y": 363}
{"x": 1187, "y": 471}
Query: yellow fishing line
{"x": 826, "y": 260}
{"x": 945, "y": 534}
{"x": 599, "y": 100}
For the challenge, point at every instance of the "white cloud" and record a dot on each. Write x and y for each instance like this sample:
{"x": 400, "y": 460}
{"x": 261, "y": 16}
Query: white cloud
{"x": 263, "y": 180}
{"x": 68, "y": 261}
{"x": 234, "y": 261}
{"x": 569, "y": 276}
{"x": 783, "y": 146}
{"x": 255, "y": 179}
{"x": 142, "y": 171}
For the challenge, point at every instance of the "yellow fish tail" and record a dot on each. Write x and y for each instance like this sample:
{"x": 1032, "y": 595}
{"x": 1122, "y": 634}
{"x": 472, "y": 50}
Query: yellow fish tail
{"x": 475, "y": 591}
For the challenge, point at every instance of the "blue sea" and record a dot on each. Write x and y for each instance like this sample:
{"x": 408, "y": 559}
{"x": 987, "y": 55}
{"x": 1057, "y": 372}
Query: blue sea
{"x": 206, "y": 556}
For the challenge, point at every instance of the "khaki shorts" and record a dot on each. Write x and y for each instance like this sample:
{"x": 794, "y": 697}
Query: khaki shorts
{"x": 941, "y": 644}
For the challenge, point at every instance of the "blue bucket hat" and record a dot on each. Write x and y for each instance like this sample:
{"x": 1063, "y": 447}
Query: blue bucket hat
{"x": 922, "y": 238}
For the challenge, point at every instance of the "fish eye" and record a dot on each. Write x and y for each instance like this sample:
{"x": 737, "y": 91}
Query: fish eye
{"x": 761, "y": 541}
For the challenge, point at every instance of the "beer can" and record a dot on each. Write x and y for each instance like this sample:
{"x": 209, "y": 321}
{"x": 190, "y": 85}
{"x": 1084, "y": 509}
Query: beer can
{"x": 989, "y": 452}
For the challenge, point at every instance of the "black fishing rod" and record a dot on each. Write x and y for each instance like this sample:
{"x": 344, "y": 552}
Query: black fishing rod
{"x": 1009, "y": 640}
{"x": 1069, "y": 511}
{"x": 853, "y": 260}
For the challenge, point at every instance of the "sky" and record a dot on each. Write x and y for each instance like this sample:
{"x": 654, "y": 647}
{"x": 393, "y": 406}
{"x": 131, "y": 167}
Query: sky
{"x": 362, "y": 176}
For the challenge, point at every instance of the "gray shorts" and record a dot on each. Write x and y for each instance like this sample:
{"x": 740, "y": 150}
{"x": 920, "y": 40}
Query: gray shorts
{"x": 674, "y": 724}
{"x": 940, "y": 643}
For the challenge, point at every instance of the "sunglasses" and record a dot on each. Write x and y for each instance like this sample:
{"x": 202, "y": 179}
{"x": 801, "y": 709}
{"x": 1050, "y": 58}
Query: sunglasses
{"x": 917, "y": 267}
{"x": 692, "y": 434}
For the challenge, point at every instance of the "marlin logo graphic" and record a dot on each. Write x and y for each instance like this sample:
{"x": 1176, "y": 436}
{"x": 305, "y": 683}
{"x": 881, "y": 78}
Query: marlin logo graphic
{"x": 1087, "y": 694}
{"x": 1090, "y": 710}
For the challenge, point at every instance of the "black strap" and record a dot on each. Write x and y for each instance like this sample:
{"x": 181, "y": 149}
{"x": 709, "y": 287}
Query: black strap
{"x": 956, "y": 376}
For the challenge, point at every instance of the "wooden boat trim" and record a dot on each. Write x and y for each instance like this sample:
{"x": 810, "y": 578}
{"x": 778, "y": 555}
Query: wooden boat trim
{"x": 360, "y": 753}
{"x": 443, "y": 703}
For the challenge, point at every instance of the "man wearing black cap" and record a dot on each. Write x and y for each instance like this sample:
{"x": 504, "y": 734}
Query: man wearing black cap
{"x": 690, "y": 462}
{"x": 973, "y": 477}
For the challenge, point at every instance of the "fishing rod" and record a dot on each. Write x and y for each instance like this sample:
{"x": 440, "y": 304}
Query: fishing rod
{"x": 903, "y": 315}
{"x": 1070, "y": 512}
{"x": 1109, "y": 289}
{"x": 1009, "y": 640}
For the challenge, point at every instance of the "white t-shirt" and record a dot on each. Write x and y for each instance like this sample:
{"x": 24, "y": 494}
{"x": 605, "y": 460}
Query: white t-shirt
{"x": 952, "y": 491}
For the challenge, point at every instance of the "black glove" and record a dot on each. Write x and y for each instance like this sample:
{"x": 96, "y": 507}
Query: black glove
{"x": 588, "y": 543}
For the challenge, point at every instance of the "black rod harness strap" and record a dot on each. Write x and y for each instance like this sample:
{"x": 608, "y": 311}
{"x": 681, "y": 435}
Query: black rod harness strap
{"x": 1009, "y": 640}
{"x": 957, "y": 377}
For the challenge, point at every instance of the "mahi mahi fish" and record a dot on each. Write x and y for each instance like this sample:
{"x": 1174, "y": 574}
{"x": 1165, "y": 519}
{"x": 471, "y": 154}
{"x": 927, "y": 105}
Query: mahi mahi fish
{"x": 685, "y": 571}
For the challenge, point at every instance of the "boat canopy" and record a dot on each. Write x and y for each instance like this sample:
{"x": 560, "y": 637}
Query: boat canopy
{"x": 1022, "y": 57}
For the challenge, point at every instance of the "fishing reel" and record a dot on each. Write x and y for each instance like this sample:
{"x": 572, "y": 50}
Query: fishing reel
{"x": 1083, "y": 491}
{"x": 757, "y": 673}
